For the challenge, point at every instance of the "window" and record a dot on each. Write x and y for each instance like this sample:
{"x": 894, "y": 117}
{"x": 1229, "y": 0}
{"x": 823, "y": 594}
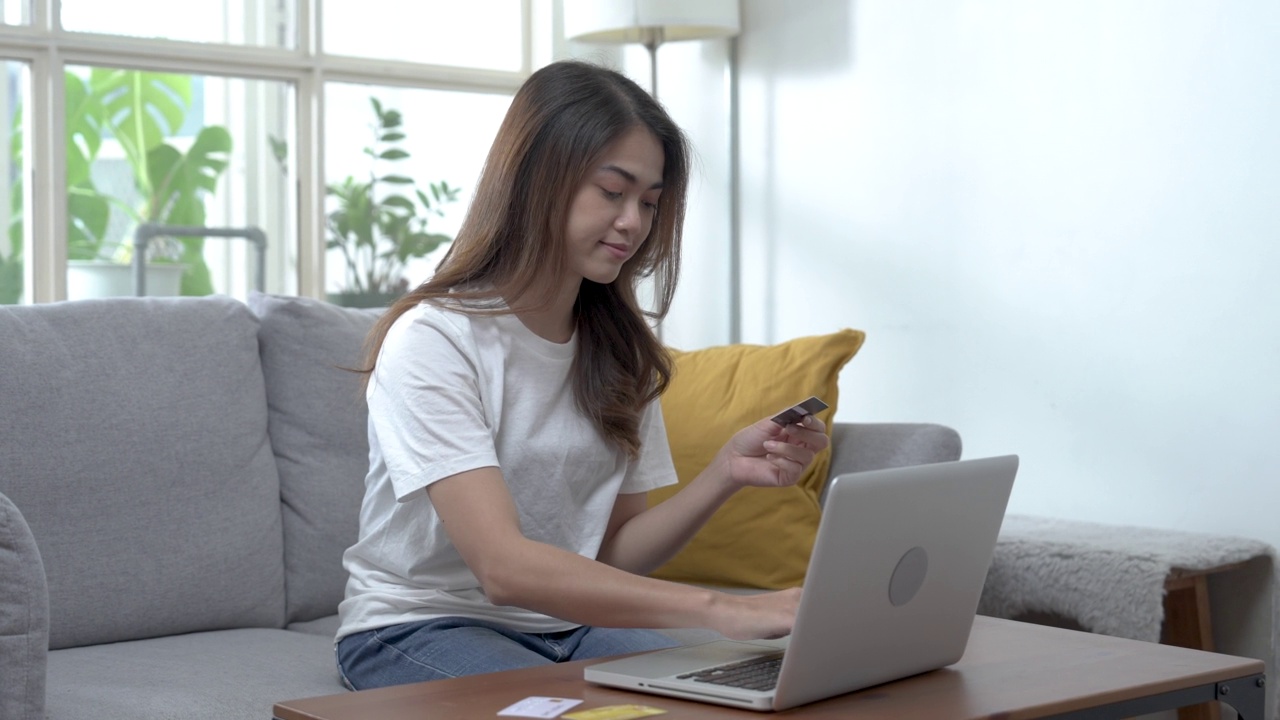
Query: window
{"x": 15, "y": 12}
{"x": 225, "y": 115}
{"x": 13, "y": 245}
{"x": 437, "y": 150}
{"x": 237, "y": 22}
{"x": 148, "y": 151}
{"x": 476, "y": 33}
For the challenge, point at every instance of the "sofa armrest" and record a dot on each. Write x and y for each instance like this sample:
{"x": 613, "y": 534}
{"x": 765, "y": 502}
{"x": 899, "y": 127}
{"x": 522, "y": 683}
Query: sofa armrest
{"x": 856, "y": 447}
{"x": 24, "y": 618}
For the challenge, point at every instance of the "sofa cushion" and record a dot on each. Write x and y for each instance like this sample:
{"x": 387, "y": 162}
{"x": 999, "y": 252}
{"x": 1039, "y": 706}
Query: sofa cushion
{"x": 221, "y": 675}
{"x": 318, "y": 426}
{"x": 24, "y": 618}
{"x": 858, "y": 447}
{"x": 326, "y": 626}
{"x": 134, "y": 440}
{"x": 760, "y": 537}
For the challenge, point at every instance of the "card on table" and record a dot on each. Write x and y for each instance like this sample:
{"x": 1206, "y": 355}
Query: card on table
{"x": 537, "y": 706}
{"x": 615, "y": 712}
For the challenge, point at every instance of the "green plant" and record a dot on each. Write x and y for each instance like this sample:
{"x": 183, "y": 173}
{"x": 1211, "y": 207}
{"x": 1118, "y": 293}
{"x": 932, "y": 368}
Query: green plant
{"x": 11, "y": 273}
{"x": 379, "y": 223}
{"x": 88, "y": 211}
{"x": 143, "y": 112}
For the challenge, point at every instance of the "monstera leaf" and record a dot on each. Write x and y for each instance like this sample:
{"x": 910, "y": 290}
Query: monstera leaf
{"x": 84, "y": 133}
{"x": 180, "y": 183}
{"x": 87, "y": 216}
{"x": 141, "y": 109}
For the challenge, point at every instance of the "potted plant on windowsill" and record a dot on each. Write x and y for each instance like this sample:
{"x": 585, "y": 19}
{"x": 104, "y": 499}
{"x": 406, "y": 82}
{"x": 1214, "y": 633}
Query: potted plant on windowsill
{"x": 378, "y": 223}
{"x": 142, "y": 112}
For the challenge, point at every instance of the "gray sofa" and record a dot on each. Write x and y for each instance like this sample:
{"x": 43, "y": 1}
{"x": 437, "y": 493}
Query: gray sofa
{"x": 178, "y": 481}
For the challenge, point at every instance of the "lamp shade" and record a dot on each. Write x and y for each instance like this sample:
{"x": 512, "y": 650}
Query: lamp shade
{"x": 643, "y": 21}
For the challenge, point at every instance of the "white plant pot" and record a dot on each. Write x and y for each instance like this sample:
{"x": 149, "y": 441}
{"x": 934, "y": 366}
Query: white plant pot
{"x": 96, "y": 279}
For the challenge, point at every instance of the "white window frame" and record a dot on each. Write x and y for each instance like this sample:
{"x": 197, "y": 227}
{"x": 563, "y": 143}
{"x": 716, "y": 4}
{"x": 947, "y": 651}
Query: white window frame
{"x": 48, "y": 49}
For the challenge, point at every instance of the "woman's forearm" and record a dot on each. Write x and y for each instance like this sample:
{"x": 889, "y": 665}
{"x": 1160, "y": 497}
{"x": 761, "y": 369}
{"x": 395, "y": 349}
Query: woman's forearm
{"x": 654, "y": 536}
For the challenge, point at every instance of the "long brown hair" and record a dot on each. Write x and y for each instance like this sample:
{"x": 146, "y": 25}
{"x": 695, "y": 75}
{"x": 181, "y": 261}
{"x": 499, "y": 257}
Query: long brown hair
{"x": 559, "y": 124}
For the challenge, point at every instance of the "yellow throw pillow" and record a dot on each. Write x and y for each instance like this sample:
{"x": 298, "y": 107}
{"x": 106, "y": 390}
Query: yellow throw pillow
{"x": 761, "y": 537}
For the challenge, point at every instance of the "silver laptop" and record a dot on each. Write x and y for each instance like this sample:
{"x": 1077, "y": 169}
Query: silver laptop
{"x": 892, "y": 588}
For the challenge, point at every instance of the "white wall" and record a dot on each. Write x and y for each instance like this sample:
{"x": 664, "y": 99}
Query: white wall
{"x": 1058, "y": 222}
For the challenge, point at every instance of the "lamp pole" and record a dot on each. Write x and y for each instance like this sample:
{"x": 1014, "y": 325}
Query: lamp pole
{"x": 652, "y": 39}
{"x": 735, "y": 221}
{"x": 651, "y": 23}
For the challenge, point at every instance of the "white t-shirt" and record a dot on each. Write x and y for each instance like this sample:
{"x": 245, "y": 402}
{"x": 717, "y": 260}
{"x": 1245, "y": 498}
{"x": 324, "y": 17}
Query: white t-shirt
{"x": 453, "y": 392}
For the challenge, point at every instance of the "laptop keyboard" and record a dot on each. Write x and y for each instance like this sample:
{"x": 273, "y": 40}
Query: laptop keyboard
{"x": 759, "y": 673}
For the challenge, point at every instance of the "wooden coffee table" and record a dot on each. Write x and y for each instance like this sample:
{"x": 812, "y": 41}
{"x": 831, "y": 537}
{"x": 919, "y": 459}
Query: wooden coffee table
{"x": 1010, "y": 671}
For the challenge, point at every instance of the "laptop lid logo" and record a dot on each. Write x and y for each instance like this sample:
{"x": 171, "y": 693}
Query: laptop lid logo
{"x": 908, "y": 576}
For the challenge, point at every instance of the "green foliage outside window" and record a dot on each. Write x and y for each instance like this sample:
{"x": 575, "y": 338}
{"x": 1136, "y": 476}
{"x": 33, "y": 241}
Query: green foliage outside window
{"x": 378, "y": 222}
{"x": 143, "y": 112}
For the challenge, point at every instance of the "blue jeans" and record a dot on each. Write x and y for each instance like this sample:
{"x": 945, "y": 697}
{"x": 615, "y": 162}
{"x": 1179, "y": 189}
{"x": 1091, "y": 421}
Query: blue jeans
{"x": 455, "y": 646}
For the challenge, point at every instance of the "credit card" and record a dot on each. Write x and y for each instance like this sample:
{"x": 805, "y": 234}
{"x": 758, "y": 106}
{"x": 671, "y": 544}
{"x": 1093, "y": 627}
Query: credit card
{"x": 797, "y": 412}
{"x": 539, "y": 706}
{"x": 615, "y": 712}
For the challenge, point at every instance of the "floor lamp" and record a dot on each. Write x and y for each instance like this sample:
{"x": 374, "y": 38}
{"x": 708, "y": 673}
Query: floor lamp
{"x": 651, "y": 23}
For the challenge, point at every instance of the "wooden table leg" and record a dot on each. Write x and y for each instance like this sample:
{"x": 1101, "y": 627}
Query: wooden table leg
{"x": 1186, "y": 624}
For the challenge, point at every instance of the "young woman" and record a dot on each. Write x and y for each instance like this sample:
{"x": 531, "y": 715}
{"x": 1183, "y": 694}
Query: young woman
{"x": 514, "y": 426}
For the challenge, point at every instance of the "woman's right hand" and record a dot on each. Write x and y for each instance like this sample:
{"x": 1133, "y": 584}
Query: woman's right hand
{"x": 756, "y": 617}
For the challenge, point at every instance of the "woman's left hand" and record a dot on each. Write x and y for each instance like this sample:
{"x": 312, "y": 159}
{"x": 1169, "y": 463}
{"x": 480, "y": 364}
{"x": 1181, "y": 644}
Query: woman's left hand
{"x": 769, "y": 455}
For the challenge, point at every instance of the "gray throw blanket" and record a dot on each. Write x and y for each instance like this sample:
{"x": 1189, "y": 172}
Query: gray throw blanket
{"x": 1110, "y": 579}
